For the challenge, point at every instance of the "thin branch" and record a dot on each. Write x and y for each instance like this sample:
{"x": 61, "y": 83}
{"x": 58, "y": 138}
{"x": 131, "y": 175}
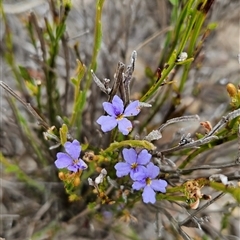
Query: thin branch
{"x": 207, "y": 167}
{"x": 99, "y": 83}
{"x": 33, "y": 19}
{"x": 22, "y": 6}
{"x": 148, "y": 40}
{"x": 67, "y": 67}
{"x": 191, "y": 216}
{"x": 193, "y": 144}
{"x": 179, "y": 119}
{"x": 225, "y": 119}
{"x": 26, "y": 105}
{"x": 128, "y": 76}
{"x": 118, "y": 78}
{"x": 173, "y": 221}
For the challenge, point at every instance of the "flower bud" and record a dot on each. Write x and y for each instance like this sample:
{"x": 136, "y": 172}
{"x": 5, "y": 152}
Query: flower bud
{"x": 61, "y": 175}
{"x": 207, "y": 126}
{"x": 76, "y": 181}
{"x": 231, "y": 89}
{"x": 104, "y": 172}
{"x": 99, "y": 179}
{"x": 182, "y": 57}
{"x": 90, "y": 182}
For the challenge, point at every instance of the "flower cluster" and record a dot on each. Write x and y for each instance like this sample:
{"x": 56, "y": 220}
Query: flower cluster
{"x": 143, "y": 173}
{"x": 117, "y": 115}
{"x": 137, "y": 163}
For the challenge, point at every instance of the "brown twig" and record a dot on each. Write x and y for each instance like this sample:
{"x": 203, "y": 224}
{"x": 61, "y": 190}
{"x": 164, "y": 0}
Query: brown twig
{"x": 118, "y": 78}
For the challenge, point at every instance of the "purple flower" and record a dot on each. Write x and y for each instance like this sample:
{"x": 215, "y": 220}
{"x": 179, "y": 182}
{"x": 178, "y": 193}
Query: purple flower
{"x": 149, "y": 183}
{"x": 71, "y": 160}
{"x": 117, "y": 115}
{"x": 134, "y": 163}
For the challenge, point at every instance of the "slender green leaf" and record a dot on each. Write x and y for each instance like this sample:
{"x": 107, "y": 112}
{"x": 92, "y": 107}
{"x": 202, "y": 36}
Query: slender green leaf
{"x": 63, "y": 133}
{"x": 174, "y": 2}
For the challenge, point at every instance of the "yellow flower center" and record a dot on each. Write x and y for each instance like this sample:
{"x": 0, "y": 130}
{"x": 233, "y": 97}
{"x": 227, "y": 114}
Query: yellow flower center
{"x": 75, "y": 161}
{"x": 148, "y": 181}
{"x": 134, "y": 165}
{"x": 119, "y": 117}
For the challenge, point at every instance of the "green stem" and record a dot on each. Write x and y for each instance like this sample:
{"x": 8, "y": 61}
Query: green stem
{"x": 97, "y": 43}
{"x": 234, "y": 191}
{"x": 81, "y": 69}
{"x": 51, "y": 76}
{"x": 200, "y": 18}
{"x": 190, "y": 15}
{"x": 207, "y": 146}
{"x": 133, "y": 143}
{"x": 170, "y": 65}
{"x": 161, "y": 196}
{"x": 93, "y": 64}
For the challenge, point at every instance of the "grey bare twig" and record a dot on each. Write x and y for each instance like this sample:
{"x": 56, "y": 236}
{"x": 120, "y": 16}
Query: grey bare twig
{"x": 200, "y": 209}
{"x": 225, "y": 119}
{"x": 26, "y": 105}
{"x": 100, "y": 84}
{"x": 128, "y": 76}
{"x": 176, "y": 226}
{"x": 179, "y": 119}
{"x": 33, "y": 20}
{"x": 193, "y": 144}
